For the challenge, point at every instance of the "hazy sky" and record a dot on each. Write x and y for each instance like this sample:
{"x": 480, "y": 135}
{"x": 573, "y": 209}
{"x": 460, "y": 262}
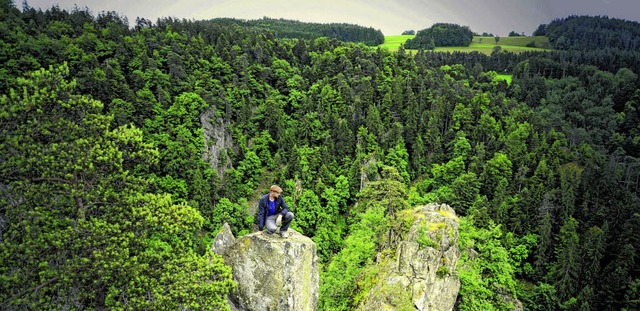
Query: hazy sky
{"x": 391, "y": 16}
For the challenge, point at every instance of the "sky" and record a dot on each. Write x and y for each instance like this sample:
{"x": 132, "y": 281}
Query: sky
{"x": 392, "y": 17}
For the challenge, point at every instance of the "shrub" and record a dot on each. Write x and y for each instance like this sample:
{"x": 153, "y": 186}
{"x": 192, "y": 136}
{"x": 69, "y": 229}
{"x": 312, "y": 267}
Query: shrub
{"x": 442, "y": 272}
{"x": 424, "y": 240}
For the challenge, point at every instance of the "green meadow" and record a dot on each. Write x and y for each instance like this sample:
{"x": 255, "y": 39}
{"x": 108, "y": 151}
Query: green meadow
{"x": 393, "y": 42}
{"x": 534, "y": 42}
{"x": 481, "y": 44}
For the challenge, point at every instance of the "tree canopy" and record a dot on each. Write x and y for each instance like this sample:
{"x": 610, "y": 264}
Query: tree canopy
{"x": 124, "y": 149}
{"x": 591, "y": 33}
{"x": 440, "y": 34}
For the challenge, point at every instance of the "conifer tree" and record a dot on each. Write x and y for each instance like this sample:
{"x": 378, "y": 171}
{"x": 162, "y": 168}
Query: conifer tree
{"x": 83, "y": 233}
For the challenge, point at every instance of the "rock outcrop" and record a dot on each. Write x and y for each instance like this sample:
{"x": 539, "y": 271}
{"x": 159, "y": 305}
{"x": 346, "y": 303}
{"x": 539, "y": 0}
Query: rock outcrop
{"x": 422, "y": 276}
{"x": 273, "y": 273}
{"x": 216, "y": 139}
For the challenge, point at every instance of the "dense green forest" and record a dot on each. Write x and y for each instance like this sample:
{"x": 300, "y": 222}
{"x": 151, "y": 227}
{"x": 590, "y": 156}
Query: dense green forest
{"x": 591, "y": 33}
{"x": 440, "y": 34}
{"x": 283, "y": 28}
{"x": 107, "y": 202}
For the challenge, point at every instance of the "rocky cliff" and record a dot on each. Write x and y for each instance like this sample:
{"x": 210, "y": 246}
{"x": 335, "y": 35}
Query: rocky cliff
{"x": 421, "y": 275}
{"x": 273, "y": 273}
{"x": 217, "y": 140}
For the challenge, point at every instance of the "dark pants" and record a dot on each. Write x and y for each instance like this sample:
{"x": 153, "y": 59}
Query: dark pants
{"x": 272, "y": 226}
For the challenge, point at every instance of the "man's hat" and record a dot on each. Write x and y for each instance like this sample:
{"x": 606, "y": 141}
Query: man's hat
{"x": 275, "y": 188}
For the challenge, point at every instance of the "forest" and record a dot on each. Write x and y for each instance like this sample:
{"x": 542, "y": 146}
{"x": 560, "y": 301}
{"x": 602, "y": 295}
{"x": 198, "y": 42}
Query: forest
{"x": 440, "y": 34}
{"x": 591, "y": 33}
{"x": 107, "y": 201}
{"x": 283, "y": 28}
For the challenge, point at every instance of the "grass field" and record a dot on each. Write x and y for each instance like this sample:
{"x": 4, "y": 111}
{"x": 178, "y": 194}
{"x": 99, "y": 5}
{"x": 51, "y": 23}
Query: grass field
{"x": 480, "y": 44}
{"x": 538, "y": 41}
{"x": 393, "y": 42}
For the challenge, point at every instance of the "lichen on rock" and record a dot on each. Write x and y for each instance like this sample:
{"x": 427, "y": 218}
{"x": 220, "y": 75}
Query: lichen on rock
{"x": 422, "y": 275}
{"x": 272, "y": 273}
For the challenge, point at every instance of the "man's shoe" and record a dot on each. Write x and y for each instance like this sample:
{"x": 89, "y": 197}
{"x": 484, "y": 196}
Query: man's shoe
{"x": 284, "y": 234}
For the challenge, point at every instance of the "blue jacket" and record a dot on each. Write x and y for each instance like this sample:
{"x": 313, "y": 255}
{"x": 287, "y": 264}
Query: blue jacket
{"x": 263, "y": 209}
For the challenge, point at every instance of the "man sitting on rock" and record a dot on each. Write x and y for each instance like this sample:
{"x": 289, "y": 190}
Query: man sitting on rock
{"x": 272, "y": 205}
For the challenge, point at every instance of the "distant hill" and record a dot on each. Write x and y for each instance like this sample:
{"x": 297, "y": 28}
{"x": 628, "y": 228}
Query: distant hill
{"x": 591, "y": 33}
{"x": 283, "y": 28}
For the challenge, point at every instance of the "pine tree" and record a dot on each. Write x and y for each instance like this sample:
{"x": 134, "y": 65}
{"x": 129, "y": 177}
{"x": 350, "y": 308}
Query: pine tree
{"x": 565, "y": 271}
{"x": 84, "y": 233}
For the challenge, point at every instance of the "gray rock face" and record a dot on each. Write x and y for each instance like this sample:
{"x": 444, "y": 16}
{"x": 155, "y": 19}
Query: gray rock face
{"x": 223, "y": 240}
{"x": 422, "y": 275}
{"x": 273, "y": 273}
{"x": 216, "y": 139}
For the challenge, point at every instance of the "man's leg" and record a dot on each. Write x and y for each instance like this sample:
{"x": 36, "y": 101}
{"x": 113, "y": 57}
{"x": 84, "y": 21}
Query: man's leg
{"x": 271, "y": 224}
{"x": 286, "y": 220}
